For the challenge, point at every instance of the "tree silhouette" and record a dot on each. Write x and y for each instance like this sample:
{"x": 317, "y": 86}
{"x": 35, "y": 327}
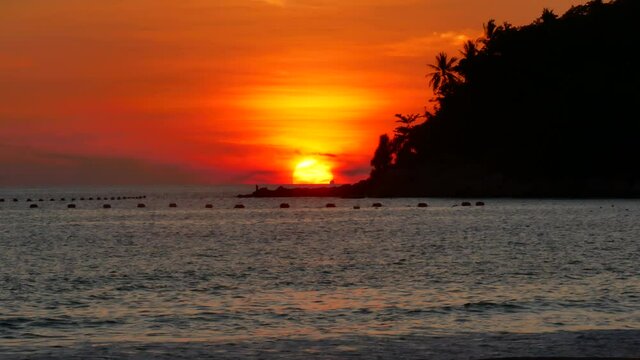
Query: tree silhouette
{"x": 443, "y": 76}
{"x": 547, "y": 17}
{"x": 383, "y": 156}
{"x": 469, "y": 50}
{"x": 490, "y": 30}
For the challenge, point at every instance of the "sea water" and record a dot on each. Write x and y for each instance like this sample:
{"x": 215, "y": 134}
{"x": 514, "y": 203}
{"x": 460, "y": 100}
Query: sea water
{"x": 512, "y": 278}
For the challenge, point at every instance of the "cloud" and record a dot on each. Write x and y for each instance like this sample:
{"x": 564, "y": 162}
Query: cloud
{"x": 28, "y": 167}
{"x": 280, "y": 3}
{"x": 437, "y": 41}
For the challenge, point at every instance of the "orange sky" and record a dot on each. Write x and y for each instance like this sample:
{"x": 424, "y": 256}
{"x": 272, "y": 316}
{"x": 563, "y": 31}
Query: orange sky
{"x": 217, "y": 91}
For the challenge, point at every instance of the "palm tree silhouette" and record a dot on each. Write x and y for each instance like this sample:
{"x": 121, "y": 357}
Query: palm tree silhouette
{"x": 470, "y": 50}
{"x": 443, "y": 76}
{"x": 490, "y": 29}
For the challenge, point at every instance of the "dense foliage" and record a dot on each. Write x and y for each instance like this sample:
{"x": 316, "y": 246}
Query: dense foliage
{"x": 547, "y": 109}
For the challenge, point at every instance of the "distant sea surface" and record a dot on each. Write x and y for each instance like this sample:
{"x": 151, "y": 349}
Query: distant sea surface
{"x": 512, "y": 278}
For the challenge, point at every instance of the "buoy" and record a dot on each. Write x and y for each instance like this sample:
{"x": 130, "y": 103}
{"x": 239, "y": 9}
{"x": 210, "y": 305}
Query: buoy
{"x": 71, "y": 206}
{"x": 466, "y": 203}
{"x": 52, "y": 199}
{"x": 15, "y": 200}
{"x": 423, "y": 205}
{"x": 99, "y": 198}
{"x": 480, "y": 203}
{"x": 106, "y": 206}
{"x": 40, "y": 200}
{"x": 63, "y": 199}
{"x": 173, "y": 205}
{"x": 377, "y": 205}
{"x": 33, "y": 206}
{"x": 330, "y": 205}
{"x": 29, "y": 200}
{"x": 142, "y": 205}
{"x": 81, "y": 199}
{"x": 90, "y": 199}
{"x": 284, "y": 206}
{"x": 240, "y": 206}
{"x": 1, "y": 200}
{"x": 209, "y": 206}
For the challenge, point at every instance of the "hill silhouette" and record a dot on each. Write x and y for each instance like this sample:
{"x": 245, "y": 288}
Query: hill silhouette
{"x": 548, "y": 109}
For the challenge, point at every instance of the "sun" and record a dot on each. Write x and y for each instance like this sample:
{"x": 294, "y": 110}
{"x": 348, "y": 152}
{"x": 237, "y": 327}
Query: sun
{"x": 312, "y": 171}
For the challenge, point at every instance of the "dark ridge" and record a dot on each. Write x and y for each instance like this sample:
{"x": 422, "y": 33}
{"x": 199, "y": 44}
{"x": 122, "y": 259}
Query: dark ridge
{"x": 546, "y": 110}
{"x": 527, "y": 111}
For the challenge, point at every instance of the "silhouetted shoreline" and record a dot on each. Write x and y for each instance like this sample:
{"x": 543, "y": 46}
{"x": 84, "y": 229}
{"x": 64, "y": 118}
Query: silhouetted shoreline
{"x": 524, "y": 190}
{"x": 343, "y": 191}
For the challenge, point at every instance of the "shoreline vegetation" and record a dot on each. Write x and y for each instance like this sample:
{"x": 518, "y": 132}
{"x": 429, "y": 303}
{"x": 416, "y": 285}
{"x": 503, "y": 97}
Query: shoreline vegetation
{"x": 543, "y": 110}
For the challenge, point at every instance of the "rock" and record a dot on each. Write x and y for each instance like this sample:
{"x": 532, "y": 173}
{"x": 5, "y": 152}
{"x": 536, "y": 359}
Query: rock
{"x": 208, "y": 206}
{"x": 71, "y": 206}
{"x": 284, "y": 206}
{"x": 423, "y": 205}
{"x": 173, "y": 205}
{"x": 240, "y": 206}
{"x": 33, "y": 206}
{"x": 480, "y": 203}
{"x": 466, "y": 203}
{"x": 331, "y": 205}
{"x": 377, "y": 205}
{"x": 142, "y": 205}
{"x": 106, "y": 206}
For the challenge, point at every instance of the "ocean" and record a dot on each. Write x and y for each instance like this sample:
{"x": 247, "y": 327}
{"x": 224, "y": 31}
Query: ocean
{"x": 511, "y": 278}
